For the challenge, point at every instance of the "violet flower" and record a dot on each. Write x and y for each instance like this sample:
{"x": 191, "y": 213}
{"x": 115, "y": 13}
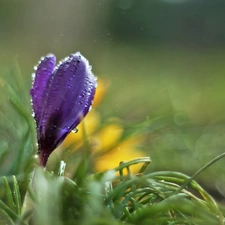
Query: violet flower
{"x": 61, "y": 97}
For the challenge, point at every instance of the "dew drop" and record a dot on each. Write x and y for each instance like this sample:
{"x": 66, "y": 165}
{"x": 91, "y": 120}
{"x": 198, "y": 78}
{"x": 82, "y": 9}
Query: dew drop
{"x": 75, "y": 130}
{"x": 35, "y": 67}
{"x": 81, "y": 95}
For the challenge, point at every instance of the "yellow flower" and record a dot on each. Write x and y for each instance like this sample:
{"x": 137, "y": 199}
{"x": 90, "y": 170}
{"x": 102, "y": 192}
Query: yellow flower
{"x": 122, "y": 152}
{"x": 107, "y": 143}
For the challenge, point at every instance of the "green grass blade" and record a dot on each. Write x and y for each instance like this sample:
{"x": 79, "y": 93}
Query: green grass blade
{"x": 6, "y": 217}
{"x": 17, "y": 196}
{"x": 200, "y": 171}
{"x": 9, "y": 211}
{"x": 9, "y": 195}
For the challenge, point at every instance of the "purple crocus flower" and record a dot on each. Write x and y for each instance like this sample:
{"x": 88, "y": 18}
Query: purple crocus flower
{"x": 61, "y": 97}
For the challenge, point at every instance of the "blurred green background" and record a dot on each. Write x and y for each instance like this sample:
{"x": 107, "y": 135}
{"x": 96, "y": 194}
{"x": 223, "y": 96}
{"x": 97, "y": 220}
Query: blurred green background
{"x": 164, "y": 60}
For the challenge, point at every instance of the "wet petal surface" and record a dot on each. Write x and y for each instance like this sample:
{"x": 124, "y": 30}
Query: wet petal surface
{"x": 43, "y": 72}
{"x": 67, "y": 98}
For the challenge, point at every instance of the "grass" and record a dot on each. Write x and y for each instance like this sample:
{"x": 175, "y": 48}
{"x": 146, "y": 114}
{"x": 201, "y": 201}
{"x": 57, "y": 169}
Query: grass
{"x": 31, "y": 195}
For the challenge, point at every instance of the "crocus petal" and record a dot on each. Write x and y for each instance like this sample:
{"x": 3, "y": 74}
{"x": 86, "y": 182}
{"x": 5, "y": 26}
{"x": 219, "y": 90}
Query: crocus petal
{"x": 67, "y": 99}
{"x": 41, "y": 77}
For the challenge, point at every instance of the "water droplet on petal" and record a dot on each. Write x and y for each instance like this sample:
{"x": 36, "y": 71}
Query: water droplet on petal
{"x": 75, "y": 130}
{"x": 81, "y": 95}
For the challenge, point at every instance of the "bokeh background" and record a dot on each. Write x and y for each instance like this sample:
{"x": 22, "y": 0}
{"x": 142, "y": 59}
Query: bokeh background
{"x": 164, "y": 61}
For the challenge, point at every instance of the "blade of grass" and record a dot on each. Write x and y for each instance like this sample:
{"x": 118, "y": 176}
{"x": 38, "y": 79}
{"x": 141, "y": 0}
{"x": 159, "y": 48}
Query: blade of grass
{"x": 181, "y": 179}
{"x": 9, "y": 195}
{"x": 20, "y": 177}
{"x": 7, "y": 217}
{"x": 17, "y": 196}
{"x": 199, "y": 171}
{"x": 11, "y": 214}
{"x": 132, "y": 162}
